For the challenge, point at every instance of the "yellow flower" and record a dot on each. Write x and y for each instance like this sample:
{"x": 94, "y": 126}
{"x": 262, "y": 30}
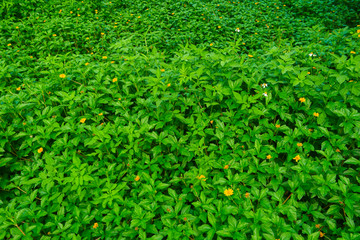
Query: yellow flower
{"x": 100, "y": 114}
{"x": 62, "y": 75}
{"x": 71, "y": 12}
{"x": 299, "y": 144}
{"x": 302, "y": 99}
{"x": 200, "y": 177}
{"x": 169, "y": 84}
{"x": 114, "y": 80}
{"x": 54, "y": 35}
{"x": 9, "y": 44}
{"x": 250, "y": 55}
{"x": 226, "y": 167}
{"x": 139, "y": 16}
{"x": 211, "y": 44}
{"x": 277, "y": 125}
{"x": 86, "y": 64}
{"x": 317, "y": 225}
{"x": 19, "y": 88}
{"x": 96, "y": 225}
{"x": 337, "y": 150}
{"x": 308, "y": 72}
{"x": 102, "y": 33}
{"x": 228, "y": 192}
{"x": 104, "y": 57}
{"x": 83, "y": 120}
{"x": 163, "y": 70}
{"x": 17, "y": 27}
{"x": 40, "y": 150}
{"x": 322, "y": 234}
{"x": 247, "y": 195}
{"x": 268, "y": 156}
{"x": 352, "y": 52}
{"x": 219, "y": 26}
{"x": 112, "y": 61}
{"x": 137, "y": 178}
{"x": 316, "y": 114}
{"x": 297, "y": 158}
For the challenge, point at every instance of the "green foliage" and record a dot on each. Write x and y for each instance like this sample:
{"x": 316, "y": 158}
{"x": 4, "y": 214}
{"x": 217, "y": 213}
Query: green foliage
{"x": 136, "y": 119}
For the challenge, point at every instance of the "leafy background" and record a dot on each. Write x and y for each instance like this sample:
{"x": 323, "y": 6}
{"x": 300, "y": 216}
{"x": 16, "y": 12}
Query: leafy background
{"x": 176, "y": 112}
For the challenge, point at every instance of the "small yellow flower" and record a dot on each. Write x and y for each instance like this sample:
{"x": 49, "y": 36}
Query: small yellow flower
{"x": 297, "y": 158}
{"x": 83, "y": 120}
{"x": 308, "y": 72}
{"x": 352, "y": 52}
{"x": 40, "y": 150}
{"x": 211, "y": 44}
{"x": 316, "y": 114}
{"x": 169, "y": 84}
{"x": 54, "y": 35}
{"x": 250, "y": 55}
{"x": 277, "y": 125}
{"x": 96, "y": 225}
{"x": 299, "y": 144}
{"x": 112, "y": 61}
{"x": 358, "y": 31}
{"x": 18, "y": 89}
{"x": 268, "y": 156}
{"x": 137, "y": 178}
{"x": 139, "y": 16}
{"x": 163, "y": 70}
{"x": 86, "y": 64}
{"x": 302, "y": 99}
{"x": 219, "y": 26}
{"x": 211, "y": 121}
{"x": 62, "y": 75}
{"x": 9, "y": 44}
{"x": 71, "y": 12}
{"x": 115, "y": 79}
{"x": 226, "y": 167}
{"x": 200, "y": 177}
{"x": 228, "y": 192}
{"x": 322, "y": 234}
{"x": 100, "y": 114}
{"x": 104, "y": 57}
{"x": 247, "y": 195}
{"x": 102, "y": 33}
{"x": 337, "y": 150}
{"x": 317, "y": 225}
{"x": 17, "y": 27}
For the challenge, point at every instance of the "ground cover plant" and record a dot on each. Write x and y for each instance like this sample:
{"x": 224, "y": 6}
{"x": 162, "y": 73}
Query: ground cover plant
{"x": 180, "y": 119}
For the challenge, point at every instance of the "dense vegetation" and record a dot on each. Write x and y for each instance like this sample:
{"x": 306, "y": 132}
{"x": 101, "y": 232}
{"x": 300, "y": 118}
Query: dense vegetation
{"x": 180, "y": 119}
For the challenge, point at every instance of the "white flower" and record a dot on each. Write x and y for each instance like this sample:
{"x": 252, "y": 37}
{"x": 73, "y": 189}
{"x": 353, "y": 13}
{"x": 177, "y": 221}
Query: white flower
{"x": 264, "y": 85}
{"x": 312, "y": 55}
{"x": 237, "y": 30}
{"x": 265, "y": 94}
